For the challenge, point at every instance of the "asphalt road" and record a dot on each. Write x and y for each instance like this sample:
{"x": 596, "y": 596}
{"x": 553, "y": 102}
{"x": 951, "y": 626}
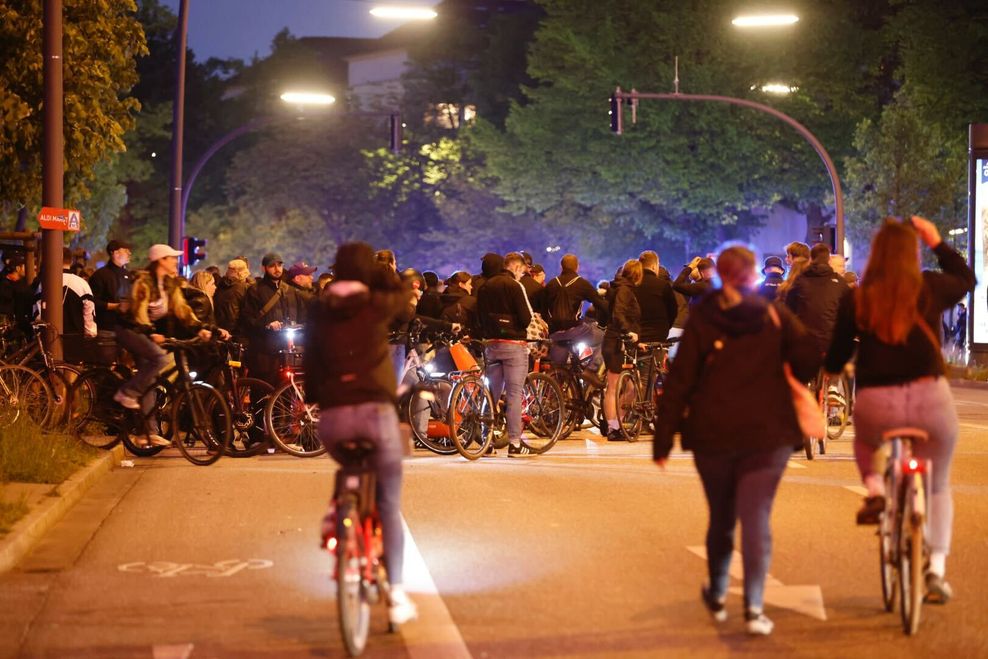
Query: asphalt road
{"x": 588, "y": 551}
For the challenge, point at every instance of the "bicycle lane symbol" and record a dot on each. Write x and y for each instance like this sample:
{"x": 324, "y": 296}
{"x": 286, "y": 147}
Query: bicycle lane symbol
{"x": 220, "y": 569}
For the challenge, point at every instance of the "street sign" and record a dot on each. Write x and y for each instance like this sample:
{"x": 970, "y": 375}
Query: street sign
{"x": 62, "y": 219}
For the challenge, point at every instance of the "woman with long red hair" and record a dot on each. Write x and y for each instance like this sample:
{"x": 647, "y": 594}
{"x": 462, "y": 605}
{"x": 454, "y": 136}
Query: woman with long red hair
{"x": 895, "y": 312}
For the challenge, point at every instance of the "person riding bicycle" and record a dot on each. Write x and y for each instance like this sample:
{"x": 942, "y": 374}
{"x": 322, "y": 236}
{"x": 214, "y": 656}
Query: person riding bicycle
{"x": 625, "y": 320}
{"x": 350, "y": 377}
{"x": 900, "y": 371}
{"x": 157, "y": 310}
{"x": 815, "y": 296}
{"x": 728, "y": 395}
{"x": 269, "y": 306}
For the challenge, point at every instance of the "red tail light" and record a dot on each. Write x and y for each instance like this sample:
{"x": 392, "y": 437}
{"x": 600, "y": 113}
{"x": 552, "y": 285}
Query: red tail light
{"x": 914, "y": 466}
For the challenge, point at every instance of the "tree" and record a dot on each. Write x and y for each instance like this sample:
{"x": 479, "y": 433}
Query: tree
{"x": 102, "y": 41}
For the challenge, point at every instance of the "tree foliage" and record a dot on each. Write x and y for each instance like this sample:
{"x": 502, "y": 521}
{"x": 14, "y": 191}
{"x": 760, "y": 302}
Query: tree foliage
{"x": 101, "y": 43}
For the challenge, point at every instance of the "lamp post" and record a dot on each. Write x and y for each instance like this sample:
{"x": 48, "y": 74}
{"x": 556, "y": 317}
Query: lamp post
{"x": 176, "y": 221}
{"x": 53, "y": 170}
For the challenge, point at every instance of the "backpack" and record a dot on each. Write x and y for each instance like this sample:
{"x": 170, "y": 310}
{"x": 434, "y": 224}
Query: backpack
{"x": 561, "y": 308}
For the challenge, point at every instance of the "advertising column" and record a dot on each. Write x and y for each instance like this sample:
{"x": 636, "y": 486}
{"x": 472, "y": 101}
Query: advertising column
{"x": 978, "y": 233}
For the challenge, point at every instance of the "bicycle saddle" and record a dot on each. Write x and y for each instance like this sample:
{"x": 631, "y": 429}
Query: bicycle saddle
{"x": 915, "y": 434}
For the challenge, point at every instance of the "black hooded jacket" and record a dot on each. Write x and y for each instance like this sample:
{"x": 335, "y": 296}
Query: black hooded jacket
{"x": 228, "y": 301}
{"x": 658, "y": 306}
{"x": 815, "y": 297}
{"x": 625, "y": 314}
{"x": 346, "y": 359}
{"x": 726, "y": 390}
{"x": 503, "y": 311}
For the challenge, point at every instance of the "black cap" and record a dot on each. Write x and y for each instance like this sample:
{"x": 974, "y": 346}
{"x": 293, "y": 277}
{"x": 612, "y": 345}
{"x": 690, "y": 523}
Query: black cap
{"x": 271, "y": 258}
{"x": 114, "y": 245}
{"x": 14, "y": 259}
{"x": 773, "y": 262}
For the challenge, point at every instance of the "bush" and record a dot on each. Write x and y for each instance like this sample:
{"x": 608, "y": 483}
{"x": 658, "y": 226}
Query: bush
{"x": 28, "y": 455}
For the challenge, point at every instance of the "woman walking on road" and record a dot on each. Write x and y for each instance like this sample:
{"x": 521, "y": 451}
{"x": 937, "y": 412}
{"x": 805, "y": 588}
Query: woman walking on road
{"x": 900, "y": 370}
{"x": 728, "y": 396}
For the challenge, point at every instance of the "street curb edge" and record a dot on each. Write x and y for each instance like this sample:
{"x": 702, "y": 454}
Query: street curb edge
{"x": 31, "y": 529}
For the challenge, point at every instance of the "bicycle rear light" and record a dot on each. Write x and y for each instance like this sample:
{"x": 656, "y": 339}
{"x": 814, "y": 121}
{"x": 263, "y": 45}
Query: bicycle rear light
{"x": 331, "y": 544}
{"x": 914, "y": 466}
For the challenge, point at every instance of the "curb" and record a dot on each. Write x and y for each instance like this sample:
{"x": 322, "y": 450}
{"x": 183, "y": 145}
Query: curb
{"x": 29, "y": 530}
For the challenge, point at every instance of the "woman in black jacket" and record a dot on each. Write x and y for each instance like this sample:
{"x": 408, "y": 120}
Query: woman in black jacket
{"x": 900, "y": 371}
{"x": 728, "y": 396}
{"x": 626, "y": 317}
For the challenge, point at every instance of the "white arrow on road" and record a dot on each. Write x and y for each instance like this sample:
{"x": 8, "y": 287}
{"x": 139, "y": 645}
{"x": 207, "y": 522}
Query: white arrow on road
{"x": 807, "y": 600}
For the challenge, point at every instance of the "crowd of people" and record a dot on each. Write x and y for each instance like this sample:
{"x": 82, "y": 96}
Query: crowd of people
{"x": 727, "y": 394}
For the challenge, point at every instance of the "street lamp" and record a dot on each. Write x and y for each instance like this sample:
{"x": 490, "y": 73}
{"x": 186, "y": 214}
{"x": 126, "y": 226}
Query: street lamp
{"x": 404, "y": 13}
{"x": 776, "y": 88}
{"x": 765, "y": 20}
{"x": 308, "y": 98}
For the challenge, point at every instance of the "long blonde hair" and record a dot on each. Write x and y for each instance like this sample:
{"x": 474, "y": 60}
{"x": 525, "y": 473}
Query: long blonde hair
{"x": 143, "y": 292}
{"x": 798, "y": 267}
{"x": 887, "y": 299}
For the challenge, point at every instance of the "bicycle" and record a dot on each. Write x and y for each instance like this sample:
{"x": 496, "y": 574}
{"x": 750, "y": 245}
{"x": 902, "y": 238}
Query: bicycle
{"x": 640, "y": 383}
{"x": 903, "y": 550}
{"x": 474, "y": 419}
{"x": 23, "y": 393}
{"x": 291, "y": 423}
{"x": 59, "y": 375}
{"x": 833, "y": 396}
{"x": 197, "y": 415}
{"x": 247, "y": 398}
{"x": 425, "y": 405}
{"x": 357, "y": 544}
{"x": 582, "y": 389}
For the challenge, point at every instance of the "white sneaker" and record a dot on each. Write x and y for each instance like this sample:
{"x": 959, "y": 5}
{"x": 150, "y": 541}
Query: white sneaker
{"x": 158, "y": 440}
{"x": 402, "y": 608}
{"x": 758, "y": 624}
{"x": 126, "y": 400}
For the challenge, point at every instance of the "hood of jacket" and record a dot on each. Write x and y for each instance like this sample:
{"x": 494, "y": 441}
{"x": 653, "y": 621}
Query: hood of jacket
{"x": 227, "y": 281}
{"x": 491, "y": 264}
{"x": 345, "y": 299}
{"x": 819, "y": 270}
{"x": 747, "y": 317}
{"x": 452, "y": 294}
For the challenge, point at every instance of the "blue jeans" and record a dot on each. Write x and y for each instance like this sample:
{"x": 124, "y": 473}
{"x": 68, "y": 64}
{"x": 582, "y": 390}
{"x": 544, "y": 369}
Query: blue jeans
{"x": 507, "y": 366}
{"x": 587, "y": 333}
{"x": 377, "y": 422}
{"x": 927, "y": 404}
{"x": 151, "y": 359}
{"x": 741, "y": 485}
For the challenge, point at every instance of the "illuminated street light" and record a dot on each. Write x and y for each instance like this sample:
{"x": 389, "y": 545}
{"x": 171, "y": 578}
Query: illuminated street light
{"x": 404, "y": 13}
{"x": 766, "y": 20}
{"x": 308, "y": 98}
{"x": 775, "y": 88}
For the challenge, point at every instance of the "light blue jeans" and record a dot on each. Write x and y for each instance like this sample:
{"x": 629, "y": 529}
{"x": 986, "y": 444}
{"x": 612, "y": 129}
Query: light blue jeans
{"x": 926, "y": 404}
{"x": 587, "y": 333}
{"x": 377, "y": 422}
{"x": 507, "y": 366}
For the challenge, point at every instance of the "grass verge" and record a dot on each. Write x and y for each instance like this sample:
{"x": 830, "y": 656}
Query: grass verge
{"x": 11, "y": 511}
{"x": 29, "y": 456}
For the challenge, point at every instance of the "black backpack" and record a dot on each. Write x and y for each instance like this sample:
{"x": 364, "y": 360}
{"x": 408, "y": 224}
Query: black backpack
{"x": 560, "y": 310}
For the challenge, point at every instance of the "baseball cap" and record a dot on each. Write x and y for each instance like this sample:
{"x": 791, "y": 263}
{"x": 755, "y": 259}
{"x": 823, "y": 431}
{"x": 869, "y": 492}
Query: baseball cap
{"x": 160, "y": 251}
{"x": 14, "y": 259}
{"x": 114, "y": 245}
{"x": 271, "y": 258}
{"x": 300, "y": 268}
{"x": 705, "y": 263}
{"x": 773, "y": 262}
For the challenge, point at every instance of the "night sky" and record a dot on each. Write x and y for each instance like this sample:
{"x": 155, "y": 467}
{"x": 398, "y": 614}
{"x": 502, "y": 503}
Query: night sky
{"x": 243, "y": 28}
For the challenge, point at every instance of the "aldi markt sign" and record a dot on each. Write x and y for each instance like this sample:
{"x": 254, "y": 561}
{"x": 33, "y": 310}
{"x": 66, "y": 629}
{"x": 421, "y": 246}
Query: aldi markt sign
{"x": 63, "y": 219}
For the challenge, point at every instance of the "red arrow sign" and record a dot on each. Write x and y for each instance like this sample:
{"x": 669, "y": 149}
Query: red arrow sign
{"x": 62, "y": 219}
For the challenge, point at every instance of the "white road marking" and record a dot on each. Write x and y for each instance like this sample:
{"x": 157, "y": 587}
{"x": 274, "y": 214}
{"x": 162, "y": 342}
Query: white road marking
{"x": 793, "y": 464}
{"x": 857, "y": 489}
{"x": 226, "y": 568}
{"x": 172, "y": 651}
{"x": 807, "y": 600}
{"x": 434, "y": 634}
{"x": 976, "y": 426}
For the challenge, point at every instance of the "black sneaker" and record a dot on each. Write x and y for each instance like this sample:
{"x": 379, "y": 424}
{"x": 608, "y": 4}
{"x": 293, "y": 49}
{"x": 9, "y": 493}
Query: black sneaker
{"x": 519, "y": 451}
{"x": 938, "y": 591}
{"x": 615, "y": 436}
{"x": 490, "y": 452}
{"x": 871, "y": 511}
{"x": 714, "y": 606}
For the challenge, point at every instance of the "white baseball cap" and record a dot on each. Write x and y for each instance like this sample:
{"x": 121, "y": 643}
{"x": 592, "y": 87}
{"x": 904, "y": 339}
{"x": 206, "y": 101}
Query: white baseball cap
{"x": 161, "y": 251}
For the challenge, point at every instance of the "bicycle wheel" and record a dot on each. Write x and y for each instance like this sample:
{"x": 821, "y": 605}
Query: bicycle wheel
{"x": 291, "y": 423}
{"x": 59, "y": 378}
{"x": 911, "y": 559}
{"x": 887, "y": 543}
{"x": 628, "y": 397}
{"x": 353, "y": 606}
{"x": 837, "y": 410}
{"x": 427, "y": 412}
{"x": 471, "y": 417}
{"x": 93, "y": 416}
{"x": 543, "y": 411}
{"x": 24, "y": 394}
{"x": 201, "y": 424}
{"x": 247, "y": 406}
{"x": 572, "y": 399}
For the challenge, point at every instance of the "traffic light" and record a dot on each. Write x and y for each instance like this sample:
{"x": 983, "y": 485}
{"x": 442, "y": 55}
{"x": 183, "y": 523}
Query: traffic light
{"x": 396, "y": 132}
{"x": 824, "y": 234}
{"x": 194, "y": 250}
{"x": 615, "y": 115}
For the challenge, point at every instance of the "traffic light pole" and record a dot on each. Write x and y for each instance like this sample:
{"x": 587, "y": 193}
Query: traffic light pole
{"x": 634, "y": 97}
{"x": 176, "y": 219}
{"x": 53, "y": 170}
